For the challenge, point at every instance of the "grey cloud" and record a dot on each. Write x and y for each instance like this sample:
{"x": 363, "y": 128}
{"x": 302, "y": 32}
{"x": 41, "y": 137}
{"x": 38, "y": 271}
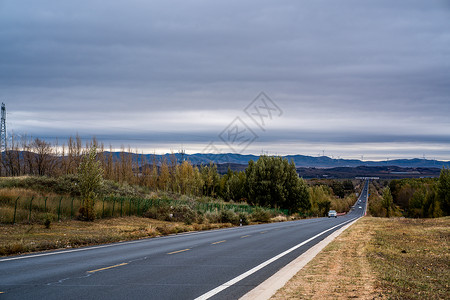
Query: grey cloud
{"x": 378, "y": 62}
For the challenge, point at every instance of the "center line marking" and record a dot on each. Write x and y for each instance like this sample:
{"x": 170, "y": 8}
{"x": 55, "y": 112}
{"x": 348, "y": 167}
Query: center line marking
{"x": 263, "y": 231}
{"x": 218, "y": 242}
{"x": 244, "y": 236}
{"x": 115, "y": 266}
{"x": 178, "y": 251}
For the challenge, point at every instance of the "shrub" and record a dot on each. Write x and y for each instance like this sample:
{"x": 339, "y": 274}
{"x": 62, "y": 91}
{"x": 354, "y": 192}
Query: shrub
{"x": 243, "y": 218}
{"x": 212, "y": 216}
{"x": 47, "y": 223}
{"x": 260, "y": 215}
{"x": 229, "y": 216}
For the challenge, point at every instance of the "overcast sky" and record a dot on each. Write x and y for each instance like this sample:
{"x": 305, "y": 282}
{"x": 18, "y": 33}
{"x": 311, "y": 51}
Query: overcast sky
{"x": 346, "y": 79}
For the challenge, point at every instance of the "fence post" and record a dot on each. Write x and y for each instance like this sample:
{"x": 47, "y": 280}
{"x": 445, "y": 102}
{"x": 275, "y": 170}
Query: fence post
{"x": 114, "y": 204}
{"x": 138, "y": 204}
{"x": 71, "y": 209}
{"x": 59, "y": 209}
{"x": 31, "y": 202}
{"x": 129, "y": 208}
{"x": 15, "y": 209}
{"x": 45, "y": 204}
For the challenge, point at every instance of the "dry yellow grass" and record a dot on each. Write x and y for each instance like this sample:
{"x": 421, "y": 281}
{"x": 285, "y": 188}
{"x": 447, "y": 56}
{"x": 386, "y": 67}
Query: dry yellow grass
{"x": 412, "y": 257}
{"x": 379, "y": 258}
{"x": 22, "y": 238}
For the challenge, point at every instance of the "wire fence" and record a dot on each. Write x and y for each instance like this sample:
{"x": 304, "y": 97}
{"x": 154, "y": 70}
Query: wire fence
{"x": 34, "y": 209}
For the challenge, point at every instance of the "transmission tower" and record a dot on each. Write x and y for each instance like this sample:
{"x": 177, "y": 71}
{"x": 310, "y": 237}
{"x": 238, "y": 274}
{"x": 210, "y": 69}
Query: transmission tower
{"x": 3, "y": 129}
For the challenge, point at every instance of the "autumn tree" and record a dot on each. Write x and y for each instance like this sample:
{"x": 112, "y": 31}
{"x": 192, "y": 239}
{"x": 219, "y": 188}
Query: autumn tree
{"x": 90, "y": 177}
{"x": 211, "y": 180}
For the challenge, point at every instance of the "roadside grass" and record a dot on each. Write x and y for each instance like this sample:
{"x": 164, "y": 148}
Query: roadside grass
{"x": 340, "y": 271}
{"x": 24, "y": 238}
{"x": 412, "y": 257}
{"x": 379, "y": 258}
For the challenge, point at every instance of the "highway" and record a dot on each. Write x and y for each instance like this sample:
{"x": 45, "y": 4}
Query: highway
{"x": 217, "y": 264}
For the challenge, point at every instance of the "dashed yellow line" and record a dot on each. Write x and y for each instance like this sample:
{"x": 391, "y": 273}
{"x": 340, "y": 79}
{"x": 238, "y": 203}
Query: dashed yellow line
{"x": 263, "y": 232}
{"x": 244, "y": 236}
{"x": 115, "y": 266}
{"x": 218, "y": 242}
{"x": 178, "y": 251}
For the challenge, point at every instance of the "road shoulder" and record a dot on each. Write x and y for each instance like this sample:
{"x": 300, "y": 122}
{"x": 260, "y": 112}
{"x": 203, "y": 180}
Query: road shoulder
{"x": 286, "y": 280}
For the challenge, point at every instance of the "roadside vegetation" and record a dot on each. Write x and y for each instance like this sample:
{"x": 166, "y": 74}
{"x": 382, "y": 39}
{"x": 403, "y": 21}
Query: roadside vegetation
{"x": 411, "y": 197}
{"x": 47, "y": 183}
{"x": 329, "y": 194}
{"x": 379, "y": 258}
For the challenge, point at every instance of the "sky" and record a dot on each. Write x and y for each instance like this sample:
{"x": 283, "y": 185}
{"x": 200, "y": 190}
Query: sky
{"x": 349, "y": 79}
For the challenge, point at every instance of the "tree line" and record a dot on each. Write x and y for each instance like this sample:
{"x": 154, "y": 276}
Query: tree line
{"x": 411, "y": 197}
{"x": 269, "y": 182}
{"x": 424, "y": 197}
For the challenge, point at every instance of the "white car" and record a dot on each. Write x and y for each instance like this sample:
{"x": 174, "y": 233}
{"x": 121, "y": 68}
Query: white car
{"x": 332, "y": 213}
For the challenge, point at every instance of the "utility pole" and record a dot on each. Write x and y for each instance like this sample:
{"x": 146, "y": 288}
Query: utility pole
{"x": 3, "y": 129}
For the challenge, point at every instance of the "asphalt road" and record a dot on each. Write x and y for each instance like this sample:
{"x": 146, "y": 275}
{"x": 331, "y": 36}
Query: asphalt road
{"x": 221, "y": 264}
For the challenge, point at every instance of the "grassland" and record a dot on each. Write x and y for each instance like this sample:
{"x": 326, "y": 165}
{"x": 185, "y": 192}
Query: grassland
{"x": 22, "y": 238}
{"x": 379, "y": 258}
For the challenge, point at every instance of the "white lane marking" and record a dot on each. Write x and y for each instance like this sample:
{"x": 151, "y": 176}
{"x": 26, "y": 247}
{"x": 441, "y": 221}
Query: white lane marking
{"x": 235, "y": 280}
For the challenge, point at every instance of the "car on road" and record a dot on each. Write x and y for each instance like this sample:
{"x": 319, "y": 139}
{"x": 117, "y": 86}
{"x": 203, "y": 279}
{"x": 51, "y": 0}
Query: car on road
{"x": 332, "y": 213}
{"x": 360, "y": 207}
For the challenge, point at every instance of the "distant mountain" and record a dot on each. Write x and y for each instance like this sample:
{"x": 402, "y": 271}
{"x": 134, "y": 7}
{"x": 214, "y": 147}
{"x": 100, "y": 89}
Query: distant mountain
{"x": 299, "y": 160}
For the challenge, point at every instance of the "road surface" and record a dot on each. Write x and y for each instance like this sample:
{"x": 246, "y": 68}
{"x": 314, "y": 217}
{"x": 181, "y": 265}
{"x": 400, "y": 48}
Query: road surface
{"x": 217, "y": 264}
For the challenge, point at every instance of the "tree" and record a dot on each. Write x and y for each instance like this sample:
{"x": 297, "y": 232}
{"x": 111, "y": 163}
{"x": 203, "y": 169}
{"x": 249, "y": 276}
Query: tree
{"x": 211, "y": 179}
{"x": 348, "y": 186}
{"x": 44, "y": 160}
{"x": 164, "y": 176}
{"x": 444, "y": 190}
{"x": 90, "y": 178}
{"x": 387, "y": 201}
{"x": 297, "y": 198}
{"x": 273, "y": 181}
{"x": 338, "y": 189}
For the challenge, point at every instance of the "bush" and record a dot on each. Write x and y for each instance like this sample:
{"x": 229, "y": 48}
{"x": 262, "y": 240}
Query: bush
{"x": 244, "y": 217}
{"x": 47, "y": 223}
{"x": 212, "y": 216}
{"x": 229, "y": 216}
{"x": 261, "y": 215}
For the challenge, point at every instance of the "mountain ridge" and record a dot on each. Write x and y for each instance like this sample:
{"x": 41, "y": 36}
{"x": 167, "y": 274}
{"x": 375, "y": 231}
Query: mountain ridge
{"x": 299, "y": 160}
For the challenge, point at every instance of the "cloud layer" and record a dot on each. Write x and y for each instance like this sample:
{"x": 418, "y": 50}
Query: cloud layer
{"x": 351, "y": 77}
